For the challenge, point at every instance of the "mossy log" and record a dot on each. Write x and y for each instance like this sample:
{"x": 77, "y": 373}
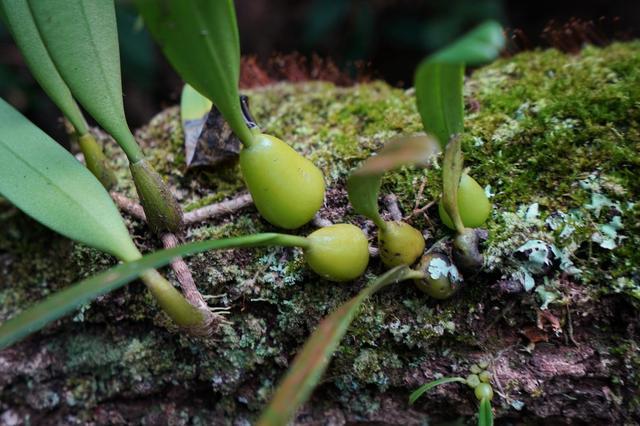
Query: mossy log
{"x": 555, "y": 139}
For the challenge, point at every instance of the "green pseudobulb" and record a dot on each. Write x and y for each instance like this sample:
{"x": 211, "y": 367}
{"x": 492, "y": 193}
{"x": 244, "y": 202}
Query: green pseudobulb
{"x": 442, "y": 279}
{"x": 473, "y": 204}
{"x": 399, "y": 244}
{"x": 286, "y": 188}
{"x": 338, "y": 252}
{"x": 482, "y": 391}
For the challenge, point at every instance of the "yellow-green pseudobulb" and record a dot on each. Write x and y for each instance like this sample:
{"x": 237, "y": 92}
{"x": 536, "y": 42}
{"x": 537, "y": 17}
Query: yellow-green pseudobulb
{"x": 286, "y": 188}
{"x": 338, "y": 252}
{"x": 473, "y": 204}
{"x": 399, "y": 244}
{"x": 441, "y": 279}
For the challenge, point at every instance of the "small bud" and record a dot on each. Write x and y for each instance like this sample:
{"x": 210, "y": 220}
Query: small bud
{"x": 473, "y": 380}
{"x": 466, "y": 251}
{"x": 161, "y": 208}
{"x": 485, "y": 377}
{"x": 484, "y": 390}
{"x": 475, "y": 369}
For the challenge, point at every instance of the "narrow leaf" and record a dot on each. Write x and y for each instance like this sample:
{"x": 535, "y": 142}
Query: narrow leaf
{"x": 363, "y": 185}
{"x": 451, "y": 174}
{"x": 19, "y": 20}
{"x": 42, "y": 179}
{"x": 313, "y": 359}
{"x": 428, "y": 386}
{"x": 439, "y": 79}
{"x": 82, "y": 39}
{"x": 200, "y": 39}
{"x": 65, "y": 301}
{"x": 485, "y": 414}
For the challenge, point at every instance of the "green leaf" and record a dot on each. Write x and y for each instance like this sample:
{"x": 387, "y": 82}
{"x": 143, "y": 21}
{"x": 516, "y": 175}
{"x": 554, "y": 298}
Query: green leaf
{"x": 313, "y": 359}
{"x": 194, "y": 110}
{"x": 200, "y": 39}
{"x": 19, "y": 20}
{"x": 485, "y": 414}
{"x": 363, "y": 185}
{"x": 65, "y": 301}
{"x": 82, "y": 39}
{"x": 42, "y": 179}
{"x": 193, "y": 106}
{"x": 439, "y": 79}
{"x": 428, "y": 386}
{"x": 451, "y": 174}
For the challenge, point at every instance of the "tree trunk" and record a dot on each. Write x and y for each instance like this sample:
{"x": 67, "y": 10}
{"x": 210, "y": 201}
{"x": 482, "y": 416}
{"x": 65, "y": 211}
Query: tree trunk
{"x": 554, "y": 138}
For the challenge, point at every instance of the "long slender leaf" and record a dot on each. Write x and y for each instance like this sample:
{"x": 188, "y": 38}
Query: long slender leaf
{"x": 313, "y": 359}
{"x": 19, "y": 20}
{"x": 439, "y": 79}
{"x": 428, "y": 386}
{"x": 485, "y": 414}
{"x": 363, "y": 185}
{"x": 65, "y": 301}
{"x": 42, "y": 179}
{"x": 82, "y": 39}
{"x": 200, "y": 39}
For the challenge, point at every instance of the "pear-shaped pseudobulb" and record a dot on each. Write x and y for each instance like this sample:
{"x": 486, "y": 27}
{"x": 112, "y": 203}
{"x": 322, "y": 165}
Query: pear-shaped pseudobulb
{"x": 399, "y": 244}
{"x": 338, "y": 252}
{"x": 286, "y": 188}
{"x": 473, "y": 204}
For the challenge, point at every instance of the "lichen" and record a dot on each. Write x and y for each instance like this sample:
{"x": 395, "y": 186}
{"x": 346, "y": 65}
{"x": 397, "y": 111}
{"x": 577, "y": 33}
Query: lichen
{"x": 555, "y": 140}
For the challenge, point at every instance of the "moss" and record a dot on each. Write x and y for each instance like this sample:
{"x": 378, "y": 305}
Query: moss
{"x": 553, "y": 137}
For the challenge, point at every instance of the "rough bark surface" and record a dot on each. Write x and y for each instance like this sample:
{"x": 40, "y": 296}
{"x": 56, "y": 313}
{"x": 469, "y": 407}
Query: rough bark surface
{"x": 554, "y": 138}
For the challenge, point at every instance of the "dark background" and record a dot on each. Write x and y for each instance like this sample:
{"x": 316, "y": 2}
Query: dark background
{"x": 377, "y": 38}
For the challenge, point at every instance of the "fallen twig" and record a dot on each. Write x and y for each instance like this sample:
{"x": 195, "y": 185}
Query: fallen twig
{"x": 391, "y": 201}
{"x": 128, "y": 205}
{"x": 183, "y": 274}
{"x": 218, "y": 209}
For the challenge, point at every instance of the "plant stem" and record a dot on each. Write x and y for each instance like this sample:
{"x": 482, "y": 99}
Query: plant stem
{"x": 171, "y": 301}
{"x": 287, "y": 240}
{"x": 130, "y": 147}
{"x": 380, "y": 223}
{"x": 96, "y": 161}
{"x": 451, "y": 173}
{"x": 162, "y": 211}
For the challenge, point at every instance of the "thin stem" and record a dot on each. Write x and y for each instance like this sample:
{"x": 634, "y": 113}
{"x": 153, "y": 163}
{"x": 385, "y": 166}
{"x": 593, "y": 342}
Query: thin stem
{"x": 96, "y": 161}
{"x": 415, "y": 275}
{"x": 451, "y": 173}
{"x": 380, "y": 223}
{"x": 172, "y": 302}
{"x": 287, "y": 240}
{"x": 131, "y": 148}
